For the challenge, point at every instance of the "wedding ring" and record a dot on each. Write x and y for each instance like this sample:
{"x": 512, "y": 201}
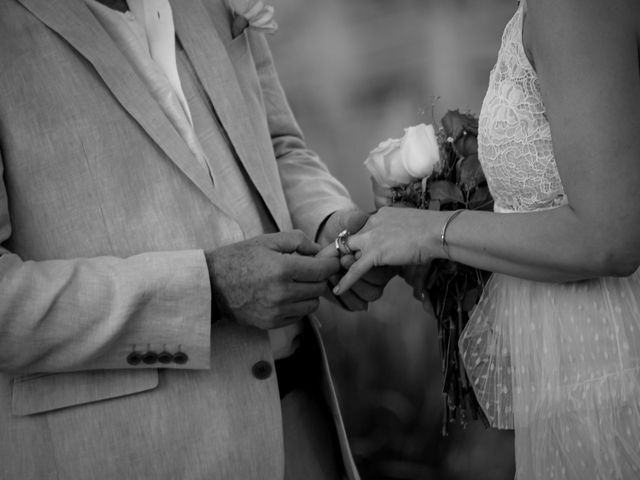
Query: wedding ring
{"x": 341, "y": 243}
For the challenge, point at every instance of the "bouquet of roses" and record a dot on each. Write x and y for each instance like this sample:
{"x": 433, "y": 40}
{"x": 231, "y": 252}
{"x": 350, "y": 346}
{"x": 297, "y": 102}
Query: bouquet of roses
{"x": 438, "y": 169}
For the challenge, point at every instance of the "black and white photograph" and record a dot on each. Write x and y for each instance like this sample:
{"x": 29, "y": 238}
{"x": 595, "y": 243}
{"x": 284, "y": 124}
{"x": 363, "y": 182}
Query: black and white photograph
{"x": 319, "y": 240}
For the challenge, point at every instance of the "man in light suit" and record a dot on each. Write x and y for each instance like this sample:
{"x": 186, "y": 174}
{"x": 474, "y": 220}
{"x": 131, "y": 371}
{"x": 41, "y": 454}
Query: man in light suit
{"x": 153, "y": 296}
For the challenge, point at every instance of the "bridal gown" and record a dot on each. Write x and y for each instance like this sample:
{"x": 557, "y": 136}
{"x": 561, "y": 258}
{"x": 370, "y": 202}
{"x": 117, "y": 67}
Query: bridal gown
{"x": 559, "y": 363}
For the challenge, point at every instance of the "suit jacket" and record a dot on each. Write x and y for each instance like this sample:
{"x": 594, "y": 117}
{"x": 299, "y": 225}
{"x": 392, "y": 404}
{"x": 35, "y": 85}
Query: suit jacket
{"x": 104, "y": 215}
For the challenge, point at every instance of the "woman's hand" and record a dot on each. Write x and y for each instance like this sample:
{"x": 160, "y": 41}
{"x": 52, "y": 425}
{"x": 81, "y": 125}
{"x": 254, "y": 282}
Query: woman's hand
{"x": 391, "y": 237}
{"x": 370, "y": 287}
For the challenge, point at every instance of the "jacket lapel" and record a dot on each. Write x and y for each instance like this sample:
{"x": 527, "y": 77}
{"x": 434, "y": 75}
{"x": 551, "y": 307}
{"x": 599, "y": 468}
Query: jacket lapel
{"x": 200, "y": 39}
{"x": 76, "y": 24}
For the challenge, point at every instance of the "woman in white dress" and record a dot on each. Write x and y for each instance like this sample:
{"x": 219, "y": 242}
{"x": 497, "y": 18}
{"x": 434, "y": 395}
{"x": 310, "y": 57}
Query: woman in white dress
{"x": 553, "y": 348}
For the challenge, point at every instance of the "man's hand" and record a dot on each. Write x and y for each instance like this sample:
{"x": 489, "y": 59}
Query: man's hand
{"x": 269, "y": 281}
{"x": 371, "y": 285}
{"x": 417, "y": 277}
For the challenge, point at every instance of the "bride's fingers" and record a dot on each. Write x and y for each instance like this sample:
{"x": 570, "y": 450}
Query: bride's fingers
{"x": 357, "y": 270}
{"x": 357, "y": 241}
{"x": 346, "y": 261}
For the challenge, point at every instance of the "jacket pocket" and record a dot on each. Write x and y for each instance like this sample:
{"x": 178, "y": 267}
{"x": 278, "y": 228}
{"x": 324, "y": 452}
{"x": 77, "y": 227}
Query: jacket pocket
{"x": 238, "y": 47}
{"x": 40, "y": 393}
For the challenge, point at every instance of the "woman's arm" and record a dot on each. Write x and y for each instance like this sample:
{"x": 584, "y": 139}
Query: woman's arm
{"x": 586, "y": 56}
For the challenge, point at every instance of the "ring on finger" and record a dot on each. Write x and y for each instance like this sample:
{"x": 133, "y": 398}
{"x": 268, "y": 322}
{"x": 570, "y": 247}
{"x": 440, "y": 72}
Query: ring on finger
{"x": 341, "y": 243}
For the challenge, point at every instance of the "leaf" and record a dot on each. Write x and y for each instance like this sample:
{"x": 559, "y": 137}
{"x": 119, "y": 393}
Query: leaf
{"x": 409, "y": 195}
{"x": 466, "y": 145}
{"x": 445, "y": 192}
{"x": 481, "y": 199}
{"x": 454, "y": 123}
{"x": 470, "y": 172}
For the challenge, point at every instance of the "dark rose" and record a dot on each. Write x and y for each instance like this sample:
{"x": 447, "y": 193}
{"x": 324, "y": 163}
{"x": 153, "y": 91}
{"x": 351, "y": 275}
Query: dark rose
{"x": 470, "y": 173}
{"x": 463, "y": 129}
{"x": 466, "y": 144}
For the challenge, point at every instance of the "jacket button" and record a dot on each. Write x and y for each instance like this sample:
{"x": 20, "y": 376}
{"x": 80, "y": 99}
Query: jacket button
{"x": 180, "y": 358}
{"x": 165, "y": 357}
{"x": 149, "y": 358}
{"x": 262, "y": 370}
{"x": 134, "y": 358}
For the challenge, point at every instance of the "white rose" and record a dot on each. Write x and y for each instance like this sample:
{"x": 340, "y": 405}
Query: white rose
{"x": 385, "y": 164}
{"x": 420, "y": 151}
{"x": 400, "y": 161}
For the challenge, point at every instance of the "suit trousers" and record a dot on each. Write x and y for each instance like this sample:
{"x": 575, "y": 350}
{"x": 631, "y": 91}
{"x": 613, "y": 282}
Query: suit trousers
{"x": 310, "y": 439}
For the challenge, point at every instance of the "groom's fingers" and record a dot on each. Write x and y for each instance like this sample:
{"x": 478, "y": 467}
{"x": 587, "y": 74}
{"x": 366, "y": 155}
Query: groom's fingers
{"x": 346, "y": 261}
{"x": 366, "y": 291}
{"x": 352, "y": 302}
{"x": 380, "y": 276}
{"x": 348, "y": 300}
{"x": 428, "y": 306}
{"x": 419, "y": 280}
{"x": 328, "y": 251}
{"x": 353, "y": 221}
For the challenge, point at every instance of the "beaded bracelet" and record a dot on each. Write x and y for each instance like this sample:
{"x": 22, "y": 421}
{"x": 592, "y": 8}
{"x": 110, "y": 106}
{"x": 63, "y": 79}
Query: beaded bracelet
{"x": 443, "y": 232}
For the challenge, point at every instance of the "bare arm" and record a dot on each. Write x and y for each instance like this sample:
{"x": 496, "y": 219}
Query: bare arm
{"x": 586, "y": 56}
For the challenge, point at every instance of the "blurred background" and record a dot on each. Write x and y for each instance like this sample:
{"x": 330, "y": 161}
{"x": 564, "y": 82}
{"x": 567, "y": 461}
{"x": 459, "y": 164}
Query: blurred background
{"x": 358, "y": 72}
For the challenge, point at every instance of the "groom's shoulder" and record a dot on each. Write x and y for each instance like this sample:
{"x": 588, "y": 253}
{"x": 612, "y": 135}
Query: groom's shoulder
{"x": 19, "y": 29}
{"x": 219, "y": 13}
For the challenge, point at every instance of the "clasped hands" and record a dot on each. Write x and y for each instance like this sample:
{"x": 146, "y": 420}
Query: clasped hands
{"x": 273, "y": 280}
{"x": 406, "y": 239}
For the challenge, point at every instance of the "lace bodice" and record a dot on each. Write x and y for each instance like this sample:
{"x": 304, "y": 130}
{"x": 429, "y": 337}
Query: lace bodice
{"x": 514, "y": 138}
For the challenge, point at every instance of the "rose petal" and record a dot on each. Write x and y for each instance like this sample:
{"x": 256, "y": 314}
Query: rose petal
{"x": 240, "y": 6}
{"x": 470, "y": 172}
{"x": 254, "y": 9}
{"x": 263, "y": 17}
{"x": 385, "y": 164}
{"x": 271, "y": 27}
{"x": 466, "y": 145}
{"x": 420, "y": 150}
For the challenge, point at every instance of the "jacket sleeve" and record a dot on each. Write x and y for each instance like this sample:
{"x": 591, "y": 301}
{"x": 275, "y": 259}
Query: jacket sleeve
{"x": 92, "y": 313}
{"x": 311, "y": 192}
